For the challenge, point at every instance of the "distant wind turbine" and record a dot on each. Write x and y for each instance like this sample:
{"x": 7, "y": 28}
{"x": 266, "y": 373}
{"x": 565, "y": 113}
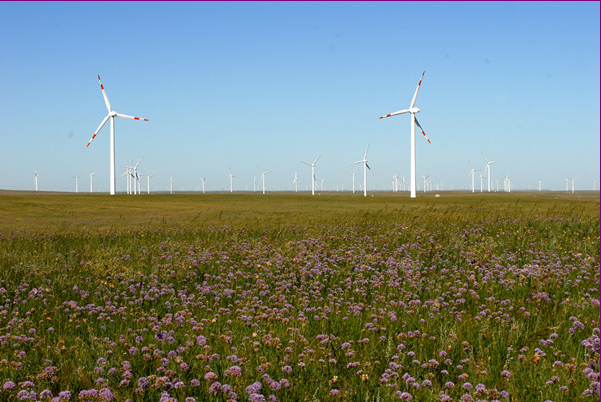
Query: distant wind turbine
{"x": 353, "y": 175}
{"x": 112, "y": 114}
{"x": 312, "y": 173}
{"x": 148, "y": 183}
{"x": 231, "y": 181}
{"x": 76, "y": 183}
{"x": 171, "y": 184}
{"x": 91, "y": 176}
{"x": 35, "y": 175}
{"x": 203, "y": 184}
{"x": 365, "y": 167}
{"x": 295, "y": 182}
{"x": 472, "y": 170}
{"x": 573, "y": 180}
{"x": 488, "y": 169}
{"x": 263, "y": 178}
{"x": 413, "y": 110}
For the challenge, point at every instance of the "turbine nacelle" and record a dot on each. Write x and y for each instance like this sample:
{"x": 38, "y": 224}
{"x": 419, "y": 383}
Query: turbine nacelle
{"x": 414, "y": 110}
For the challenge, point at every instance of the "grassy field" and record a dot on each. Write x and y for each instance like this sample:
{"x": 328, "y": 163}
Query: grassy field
{"x": 289, "y": 297}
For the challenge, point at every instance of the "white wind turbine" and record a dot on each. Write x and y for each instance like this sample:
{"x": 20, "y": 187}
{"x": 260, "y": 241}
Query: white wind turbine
{"x": 425, "y": 183}
{"x": 488, "y": 168}
{"x": 365, "y": 167}
{"x": 148, "y": 183}
{"x": 35, "y": 175}
{"x": 203, "y": 183}
{"x": 263, "y": 178}
{"x": 312, "y": 173}
{"x": 76, "y": 183}
{"x": 413, "y": 110}
{"x": 91, "y": 176}
{"x": 136, "y": 176}
{"x": 295, "y": 182}
{"x": 472, "y": 171}
{"x": 353, "y": 175}
{"x": 231, "y": 181}
{"x": 171, "y": 184}
{"x": 112, "y": 114}
{"x": 127, "y": 176}
{"x": 573, "y": 180}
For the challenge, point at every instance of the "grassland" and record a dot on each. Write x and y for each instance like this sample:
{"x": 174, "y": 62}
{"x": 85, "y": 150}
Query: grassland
{"x": 290, "y": 297}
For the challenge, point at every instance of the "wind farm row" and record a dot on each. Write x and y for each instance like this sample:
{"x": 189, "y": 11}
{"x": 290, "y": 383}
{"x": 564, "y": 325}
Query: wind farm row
{"x": 133, "y": 176}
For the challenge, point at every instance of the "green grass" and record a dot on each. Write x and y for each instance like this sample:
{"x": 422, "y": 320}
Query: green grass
{"x": 484, "y": 278}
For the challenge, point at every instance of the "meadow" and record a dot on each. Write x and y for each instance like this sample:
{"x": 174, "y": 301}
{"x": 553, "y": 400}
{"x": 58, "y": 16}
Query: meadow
{"x": 286, "y": 297}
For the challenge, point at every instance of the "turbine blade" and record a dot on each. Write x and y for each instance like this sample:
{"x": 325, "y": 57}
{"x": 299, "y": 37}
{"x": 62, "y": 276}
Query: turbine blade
{"x": 130, "y": 117}
{"x": 308, "y": 164}
{"x": 354, "y": 163}
{"x": 367, "y": 166}
{"x": 317, "y": 159}
{"x": 395, "y": 113}
{"x": 98, "y": 129}
{"x": 367, "y": 149}
{"x": 417, "y": 90}
{"x": 106, "y": 99}
{"x": 137, "y": 164}
{"x": 420, "y": 127}
{"x": 484, "y": 157}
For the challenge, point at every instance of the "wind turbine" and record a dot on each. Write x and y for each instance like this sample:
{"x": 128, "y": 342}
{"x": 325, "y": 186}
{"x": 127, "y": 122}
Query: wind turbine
{"x": 353, "y": 175}
{"x": 425, "y": 183}
{"x": 263, "y": 178}
{"x": 312, "y": 173}
{"x": 35, "y": 175}
{"x": 136, "y": 176}
{"x": 365, "y": 167}
{"x": 203, "y": 184}
{"x": 413, "y": 110}
{"x": 231, "y": 181}
{"x": 148, "y": 183}
{"x": 112, "y": 114}
{"x": 472, "y": 170}
{"x": 488, "y": 169}
{"x": 171, "y": 184}
{"x": 573, "y": 180}
{"x": 540, "y": 185}
{"x": 91, "y": 176}
{"x": 129, "y": 175}
{"x": 77, "y": 183}
{"x": 295, "y": 182}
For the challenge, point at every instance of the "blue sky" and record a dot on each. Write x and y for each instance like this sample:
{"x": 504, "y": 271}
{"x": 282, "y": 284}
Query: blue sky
{"x": 245, "y": 84}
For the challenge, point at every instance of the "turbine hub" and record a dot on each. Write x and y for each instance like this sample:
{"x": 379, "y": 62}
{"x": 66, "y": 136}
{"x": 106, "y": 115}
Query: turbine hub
{"x": 414, "y": 110}
{"x": 113, "y": 113}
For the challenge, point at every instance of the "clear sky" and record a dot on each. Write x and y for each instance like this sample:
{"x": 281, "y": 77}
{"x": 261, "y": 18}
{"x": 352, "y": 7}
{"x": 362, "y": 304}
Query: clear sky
{"x": 245, "y": 84}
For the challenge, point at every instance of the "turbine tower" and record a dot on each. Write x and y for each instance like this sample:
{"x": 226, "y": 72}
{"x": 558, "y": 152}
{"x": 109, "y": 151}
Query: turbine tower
{"x": 312, "y": 173}
{"x": 171, "y": 184}
{"x": 263, "y": 178}
{"x": 203, "y": 183}
{"x": 91, "y": 176}
{"x": 365, "y": 167}
{"x": 487, "y": 168}
{"x": 472, "y": 171}
{"x": 413, "y": 110}
{"x": 295, "y": 182}
{"x": 231, "y": 181}
{"x": 148, "y": 183}
{"x": 353, "y": 175}
{"x": 35, "y": 175}
{"x": 112, "y": 114}
{"x": 77, "y": 183}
